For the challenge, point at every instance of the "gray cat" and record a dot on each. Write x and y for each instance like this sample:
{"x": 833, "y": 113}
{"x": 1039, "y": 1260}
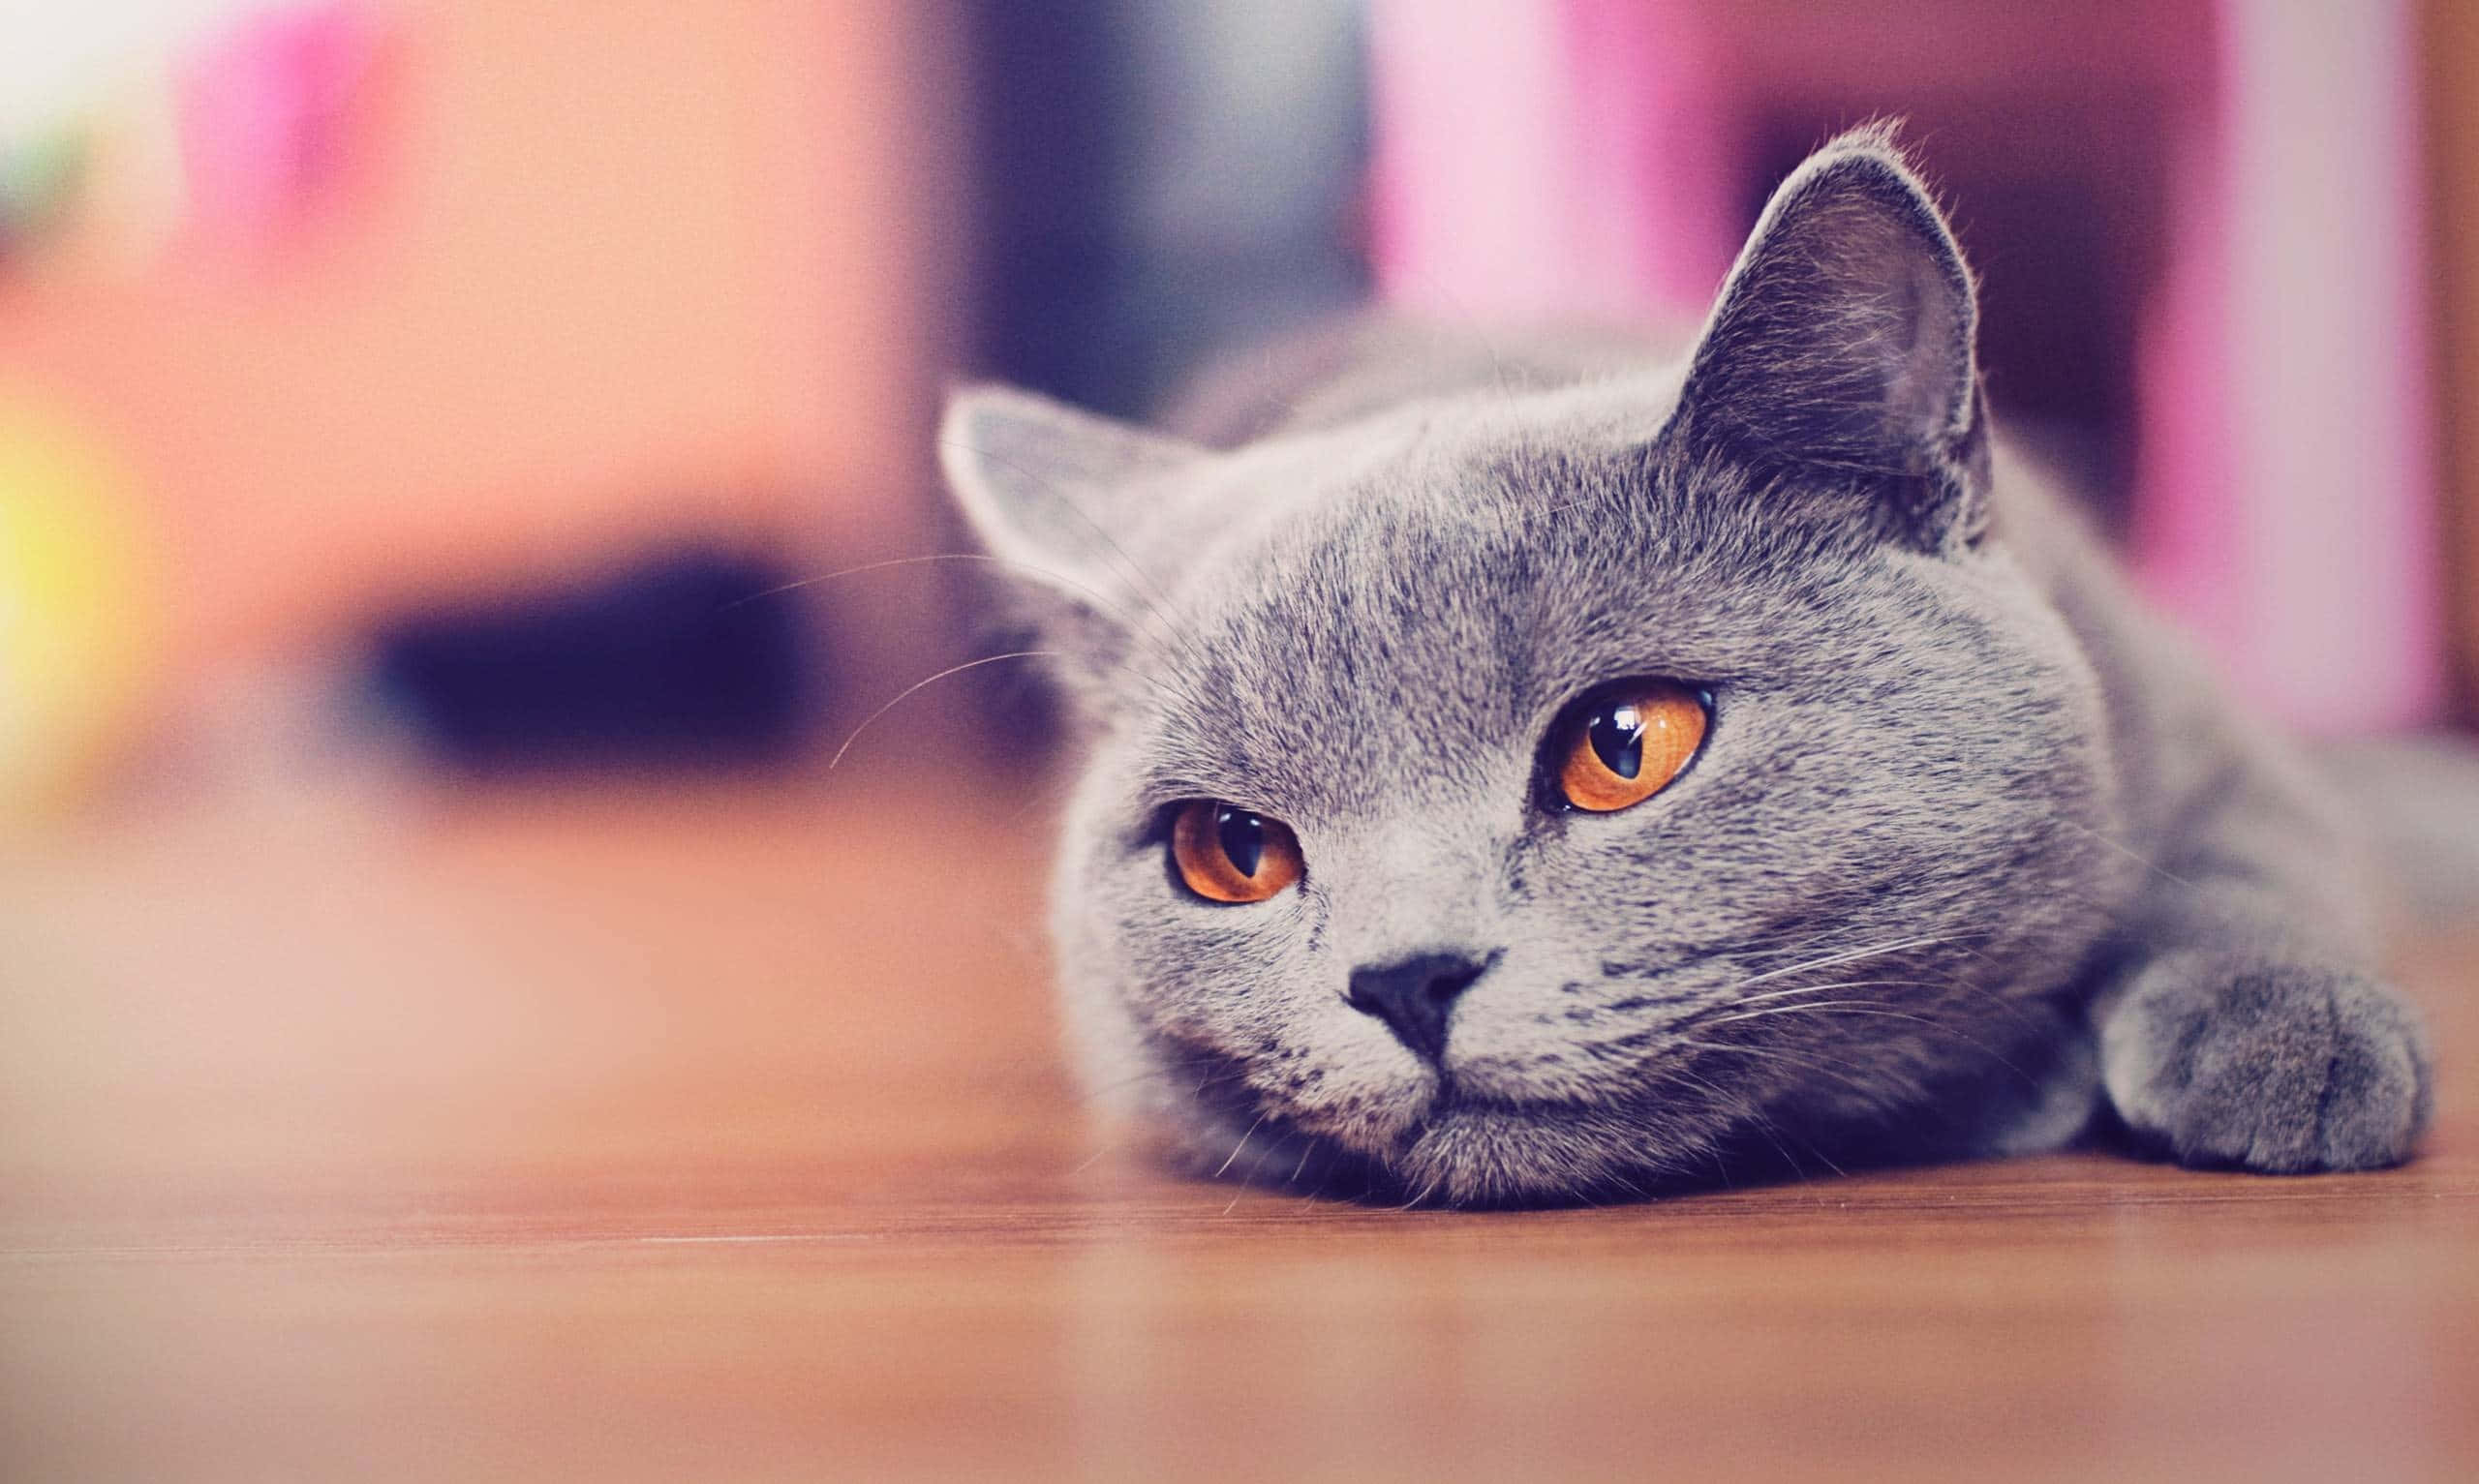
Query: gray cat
{"x": 1517, "y": 782}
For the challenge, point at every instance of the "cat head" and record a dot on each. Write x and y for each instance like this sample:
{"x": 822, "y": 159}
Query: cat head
{"x": 1529, "y": 795}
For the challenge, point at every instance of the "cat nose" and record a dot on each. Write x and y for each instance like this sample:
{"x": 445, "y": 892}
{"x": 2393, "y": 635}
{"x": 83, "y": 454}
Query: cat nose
{"x": 1414, "y": 995}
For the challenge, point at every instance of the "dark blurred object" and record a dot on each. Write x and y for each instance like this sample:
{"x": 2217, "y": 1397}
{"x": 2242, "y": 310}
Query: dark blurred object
{"x": 1159, "y": 183}
{"x": 1154, "y": 185}
{"x": 689, "y": 658}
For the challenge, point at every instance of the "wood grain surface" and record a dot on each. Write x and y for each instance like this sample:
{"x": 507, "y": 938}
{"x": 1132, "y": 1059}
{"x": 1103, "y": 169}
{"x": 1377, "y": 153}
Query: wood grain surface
{"x": 720, "y": 1135}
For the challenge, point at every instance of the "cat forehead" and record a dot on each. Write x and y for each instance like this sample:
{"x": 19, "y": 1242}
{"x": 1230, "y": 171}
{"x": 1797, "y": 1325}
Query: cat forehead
{"x": 1436, "y": 444}
{"x": 1466, "y": 522}
{"x": 1453, "y": 477}
{"x": 1415, "y": 629}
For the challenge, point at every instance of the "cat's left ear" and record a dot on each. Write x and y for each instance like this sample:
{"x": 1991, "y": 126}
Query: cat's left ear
{"x": 1841, "y": 353}
{"x": 1052, "y": 492}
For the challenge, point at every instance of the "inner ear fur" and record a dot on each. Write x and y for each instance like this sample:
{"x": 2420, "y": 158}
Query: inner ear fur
{"x": 1842, "y": 348}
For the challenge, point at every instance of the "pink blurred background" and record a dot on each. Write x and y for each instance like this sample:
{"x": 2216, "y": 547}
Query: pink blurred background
{"x": 348, "y": 315}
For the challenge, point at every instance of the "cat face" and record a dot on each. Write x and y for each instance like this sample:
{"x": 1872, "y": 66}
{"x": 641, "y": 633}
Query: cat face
{"x": 1536, "y": 796}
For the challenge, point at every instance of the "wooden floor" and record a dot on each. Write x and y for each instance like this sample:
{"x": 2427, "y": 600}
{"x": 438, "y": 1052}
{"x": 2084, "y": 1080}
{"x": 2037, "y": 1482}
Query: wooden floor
{"x": 719, "y": 1136}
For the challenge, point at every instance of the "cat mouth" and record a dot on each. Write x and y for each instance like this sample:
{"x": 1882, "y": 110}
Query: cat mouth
{"x": 1452, "y": 1144}
{"x": 1485, "y": 1153}
{"x": 1444, "y": 1121}
{"x": 1455, "y": 1102}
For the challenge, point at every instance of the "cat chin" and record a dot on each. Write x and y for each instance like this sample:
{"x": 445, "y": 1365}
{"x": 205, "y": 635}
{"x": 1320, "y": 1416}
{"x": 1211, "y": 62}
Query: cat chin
{"x": 1467, "y": 1157}
{"x": 1480, "y": 1154}
{"x": 1410, "y": 1140}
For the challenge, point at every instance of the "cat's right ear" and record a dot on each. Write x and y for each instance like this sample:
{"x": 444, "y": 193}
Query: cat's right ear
{"x": 1842, "y": 350}
{"x": 1051, "y": 491}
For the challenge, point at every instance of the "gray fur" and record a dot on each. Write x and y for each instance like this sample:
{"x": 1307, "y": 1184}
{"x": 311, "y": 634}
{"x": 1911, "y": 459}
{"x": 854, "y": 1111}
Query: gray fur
{"x": 1971, "y": 852}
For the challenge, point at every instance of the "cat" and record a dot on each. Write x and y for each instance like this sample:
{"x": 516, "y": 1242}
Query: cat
{"x": 1521, "y": 781}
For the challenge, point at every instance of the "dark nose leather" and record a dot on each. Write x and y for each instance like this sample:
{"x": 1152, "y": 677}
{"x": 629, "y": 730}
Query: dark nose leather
{"x": 1414, "y": 997}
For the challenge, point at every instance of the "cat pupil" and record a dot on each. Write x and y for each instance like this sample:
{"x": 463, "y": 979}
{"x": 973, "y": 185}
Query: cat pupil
{"x": 1618, "y": 740}
{"x": 1243, "y": 837}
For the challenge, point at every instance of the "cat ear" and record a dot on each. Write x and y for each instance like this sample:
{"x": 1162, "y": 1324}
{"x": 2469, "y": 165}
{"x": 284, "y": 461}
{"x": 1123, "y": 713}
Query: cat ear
{"x": 1842, "y": 348}
{"x": 1052, "y": 492}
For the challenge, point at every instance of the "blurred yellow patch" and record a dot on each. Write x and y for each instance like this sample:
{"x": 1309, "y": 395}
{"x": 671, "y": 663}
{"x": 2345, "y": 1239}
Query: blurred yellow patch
{"x": 76, "y": 616}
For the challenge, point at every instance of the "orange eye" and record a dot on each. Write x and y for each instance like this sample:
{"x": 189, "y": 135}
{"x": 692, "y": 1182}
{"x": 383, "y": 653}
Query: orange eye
{"x": 1226, "y": 854}
{"x": 1627, "y": 743}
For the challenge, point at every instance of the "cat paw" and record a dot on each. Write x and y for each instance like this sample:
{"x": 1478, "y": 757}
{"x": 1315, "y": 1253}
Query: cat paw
{"x": 2283, "y": 1068}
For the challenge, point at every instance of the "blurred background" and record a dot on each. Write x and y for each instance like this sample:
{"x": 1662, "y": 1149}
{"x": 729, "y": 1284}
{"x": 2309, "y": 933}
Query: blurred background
{"x": 458, "y": 383}
{"x": 478, "y": 447}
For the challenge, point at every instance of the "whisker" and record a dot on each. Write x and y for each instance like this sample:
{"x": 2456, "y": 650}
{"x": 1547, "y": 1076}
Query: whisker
{"x": 1764, "y": 1123}
{"x": 1146, "y": 591}
{"x": 1155, "y": 597}
{"x": 1090, "y": 593}
{"x": 1422, "y": 1198}
{"x": 1850, "y": 1007}
{"x": 909, "y": 691}
{"x": 1869, "y": 1008}
{"x": 1092, "y": 1095}
{"x": 1874, "y": 1093}
{"x": 922, "y": 560}
{"x": 1059, "y": 493}
{"x": 2137, "y": 857}
{"x": 1873, "y": 951}
{"x": 1852, "y": 983}
{"x": 1949, "y": 984}
{"x": 1225, "y": 1166}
